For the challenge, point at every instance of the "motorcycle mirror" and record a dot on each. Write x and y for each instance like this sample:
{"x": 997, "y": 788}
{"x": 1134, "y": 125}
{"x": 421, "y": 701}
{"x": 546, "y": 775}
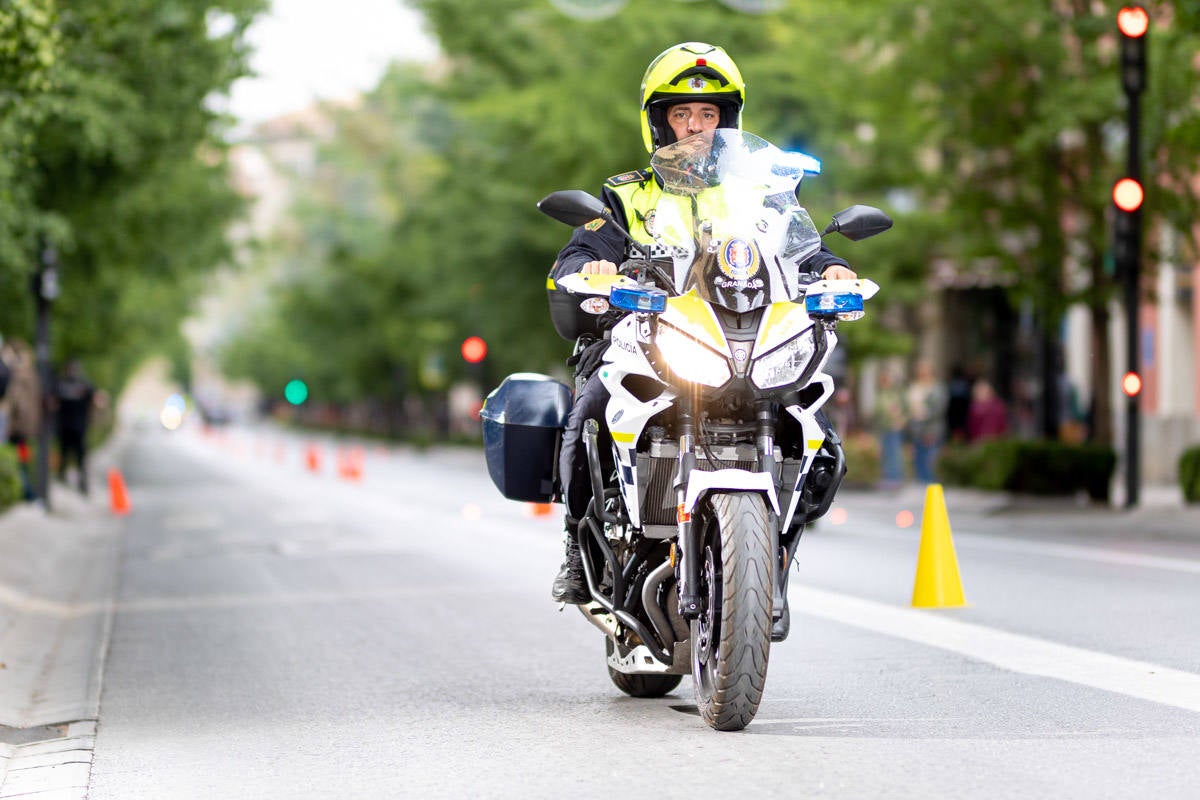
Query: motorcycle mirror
{"x": 859, "y": 222}
{"x": 575, "y": 207}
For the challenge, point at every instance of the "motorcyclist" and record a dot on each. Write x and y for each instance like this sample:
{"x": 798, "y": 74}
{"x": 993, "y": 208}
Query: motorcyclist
{"x": 688, "y": 89}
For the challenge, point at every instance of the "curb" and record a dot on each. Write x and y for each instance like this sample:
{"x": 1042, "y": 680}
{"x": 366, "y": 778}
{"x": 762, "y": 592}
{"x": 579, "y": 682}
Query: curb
{"x": 58, "y": 582}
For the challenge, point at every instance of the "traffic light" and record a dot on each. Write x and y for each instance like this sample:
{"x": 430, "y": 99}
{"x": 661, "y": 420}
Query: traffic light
{"x": 1128, "y": 195}
{"x": 474, "y": 349}
{"x": 296, "y": 392}
{"x": 1133, "y": 22}
{"x": 1131, "y": 384}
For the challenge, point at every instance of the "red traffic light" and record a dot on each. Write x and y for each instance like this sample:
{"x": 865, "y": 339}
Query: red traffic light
{"x": 474, "y": 349}
{"x": 1131, "y": 384}
{"x": 1128, "y": 194}
{"x": 1133, "y": 21}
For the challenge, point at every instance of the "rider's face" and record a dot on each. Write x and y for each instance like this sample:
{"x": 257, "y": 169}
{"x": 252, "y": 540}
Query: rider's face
{"x": 688, "y": 119}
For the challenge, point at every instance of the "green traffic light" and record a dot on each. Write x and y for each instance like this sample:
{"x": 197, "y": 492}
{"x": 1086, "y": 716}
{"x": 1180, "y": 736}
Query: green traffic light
{"x": 296, "y": 392}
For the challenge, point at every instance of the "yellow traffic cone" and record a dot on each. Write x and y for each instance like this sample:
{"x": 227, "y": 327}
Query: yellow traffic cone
{"x": 937, "y": 584}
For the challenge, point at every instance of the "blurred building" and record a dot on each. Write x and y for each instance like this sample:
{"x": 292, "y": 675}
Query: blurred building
{"x": 264, "y": 166}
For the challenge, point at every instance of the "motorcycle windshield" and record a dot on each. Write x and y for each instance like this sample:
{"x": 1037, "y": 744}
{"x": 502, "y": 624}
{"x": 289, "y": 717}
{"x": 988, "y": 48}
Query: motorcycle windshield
{"x": 730, "y": 215}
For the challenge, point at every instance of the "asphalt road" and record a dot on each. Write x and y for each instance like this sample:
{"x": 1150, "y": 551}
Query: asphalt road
{"x": 283, "y": 634}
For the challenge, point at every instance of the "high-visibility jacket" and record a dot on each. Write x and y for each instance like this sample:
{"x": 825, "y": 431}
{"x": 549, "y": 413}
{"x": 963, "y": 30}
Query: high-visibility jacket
{"x": 632, "y": 197}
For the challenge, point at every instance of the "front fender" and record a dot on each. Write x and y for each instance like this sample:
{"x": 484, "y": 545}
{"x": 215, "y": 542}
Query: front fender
{"x": 728, "y": 480}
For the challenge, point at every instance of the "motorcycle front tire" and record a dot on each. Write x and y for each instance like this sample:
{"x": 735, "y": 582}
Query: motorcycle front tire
{"x": 732, "y": 639}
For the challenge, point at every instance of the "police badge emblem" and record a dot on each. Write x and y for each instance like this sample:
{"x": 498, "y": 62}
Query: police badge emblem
{"x": 738, "y": 259}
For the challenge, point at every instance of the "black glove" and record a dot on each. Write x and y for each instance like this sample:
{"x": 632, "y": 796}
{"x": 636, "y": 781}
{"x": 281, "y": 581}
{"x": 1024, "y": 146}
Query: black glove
{"x": 587, "y": 360}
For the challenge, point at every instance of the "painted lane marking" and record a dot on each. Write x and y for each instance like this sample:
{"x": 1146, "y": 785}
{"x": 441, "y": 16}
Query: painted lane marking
{"x": 1010, "y": 651}
{"x": 983, "y": 541}
{"x": 1082, "y": 553}
{"x": 193, "y": 521}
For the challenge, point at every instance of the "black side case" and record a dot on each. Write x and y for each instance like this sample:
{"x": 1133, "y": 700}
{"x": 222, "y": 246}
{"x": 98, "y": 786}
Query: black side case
{"x": 523, "y": 420}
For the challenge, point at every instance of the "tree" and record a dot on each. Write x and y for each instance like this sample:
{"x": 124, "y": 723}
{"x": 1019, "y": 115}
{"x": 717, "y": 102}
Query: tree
{"x": 1003, "y": 118}
{"x": 124, "y": 170}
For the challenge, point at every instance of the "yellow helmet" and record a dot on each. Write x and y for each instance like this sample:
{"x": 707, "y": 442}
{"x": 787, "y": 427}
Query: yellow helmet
{"x": 692, "y": 72}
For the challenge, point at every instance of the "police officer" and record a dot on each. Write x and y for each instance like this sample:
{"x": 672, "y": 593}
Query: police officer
{"x": 688, "y": 89}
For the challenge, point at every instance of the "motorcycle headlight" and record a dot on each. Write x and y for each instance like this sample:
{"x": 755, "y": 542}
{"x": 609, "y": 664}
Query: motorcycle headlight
{"x": 691, "y": 360}
{"x": 785, "y": 364}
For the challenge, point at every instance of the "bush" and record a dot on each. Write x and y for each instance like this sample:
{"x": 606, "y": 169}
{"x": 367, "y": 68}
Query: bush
{"x": 1030, "y": 467}
{"x": 862, "y": 460}
{"x": 1189, "y": 474}
{"x": 10, "y": 478}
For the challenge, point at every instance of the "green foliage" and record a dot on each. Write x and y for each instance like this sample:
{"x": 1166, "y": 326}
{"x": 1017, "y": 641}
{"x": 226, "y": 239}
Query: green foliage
{"x": 1029, "y": 467}
{"x": 863, "y": 461}
{"x": 419, "y": 227}
{"x": 985, "y": 129}
{"x": 10, "y": 479}
{"x": 1189, "y": 474}
{"x": 122, "y": 168}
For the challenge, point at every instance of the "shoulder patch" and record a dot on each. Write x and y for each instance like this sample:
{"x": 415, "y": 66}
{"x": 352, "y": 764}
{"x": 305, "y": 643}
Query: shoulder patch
{"x": 637, "y": 176}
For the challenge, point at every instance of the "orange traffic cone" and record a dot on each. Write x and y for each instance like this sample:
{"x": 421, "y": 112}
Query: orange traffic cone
{"x": 312, "y": 458}
{"x": 118, "y": 494}
{"x": 350, "y": 463}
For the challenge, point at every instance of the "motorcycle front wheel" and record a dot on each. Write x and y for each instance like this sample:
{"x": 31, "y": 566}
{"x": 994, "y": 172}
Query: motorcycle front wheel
{"x": 732, "y": 638}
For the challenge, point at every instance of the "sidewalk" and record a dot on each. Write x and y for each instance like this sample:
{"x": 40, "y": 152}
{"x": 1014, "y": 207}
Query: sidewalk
{"x": 1161, "y": 511}
{"x": 58, "y": 576}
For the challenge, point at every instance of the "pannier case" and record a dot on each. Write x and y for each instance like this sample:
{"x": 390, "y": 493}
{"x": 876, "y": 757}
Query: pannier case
{"x": 523, "y": 420}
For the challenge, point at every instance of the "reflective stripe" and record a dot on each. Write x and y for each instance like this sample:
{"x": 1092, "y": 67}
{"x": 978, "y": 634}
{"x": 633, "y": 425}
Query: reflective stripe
{"x": 625, "y": 438}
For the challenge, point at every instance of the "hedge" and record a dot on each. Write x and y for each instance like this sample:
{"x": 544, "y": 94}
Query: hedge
{"x": 1030, "y": 467}
{"x": 10, "y": 477}
{"x": 1189, "y": 474}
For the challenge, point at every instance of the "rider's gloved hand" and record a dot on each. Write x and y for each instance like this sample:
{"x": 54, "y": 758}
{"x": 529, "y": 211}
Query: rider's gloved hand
{"x": 598, "y": 268}
{"x": 837, "y": 273}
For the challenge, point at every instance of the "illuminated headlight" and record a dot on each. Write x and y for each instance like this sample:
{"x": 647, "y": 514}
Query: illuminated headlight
{"x": 691, "y": 360}
{"x": 784, "y": 364}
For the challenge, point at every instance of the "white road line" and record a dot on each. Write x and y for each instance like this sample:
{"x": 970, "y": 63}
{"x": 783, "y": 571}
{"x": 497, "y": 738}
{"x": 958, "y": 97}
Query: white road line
{"x": 983, "y": 541}
{"x": 195, "y": 521}
{"x": 1009, "y": 651}
{"x": 1081, "y": 553}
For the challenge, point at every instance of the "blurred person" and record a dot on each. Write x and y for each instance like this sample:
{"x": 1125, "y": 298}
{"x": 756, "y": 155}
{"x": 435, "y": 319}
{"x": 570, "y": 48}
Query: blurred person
{"x": 688, "y": 89}
{"x": 958, "y": 404}
{"x": 74, "y": 396}
{"x": 5, "y": 379}
{"x": 988, "y": 416}
{"x": 890, "y": 422}
{"x": 842, "y": 415}
{"x": 927, "y": 420}
{"x": 25, "y": 407}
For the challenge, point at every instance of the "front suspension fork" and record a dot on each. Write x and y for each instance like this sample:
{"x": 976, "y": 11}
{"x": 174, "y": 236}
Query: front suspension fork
{"x": 690, "y": 598}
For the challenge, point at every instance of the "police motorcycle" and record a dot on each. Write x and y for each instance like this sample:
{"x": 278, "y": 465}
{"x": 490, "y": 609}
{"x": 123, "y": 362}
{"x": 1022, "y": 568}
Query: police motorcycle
{"x": 718, "y": 455}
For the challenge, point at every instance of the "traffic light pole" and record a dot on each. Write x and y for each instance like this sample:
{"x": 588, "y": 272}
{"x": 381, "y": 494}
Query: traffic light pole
{"x": 1133, "y": 23}
{"x": 1131, "y": 275}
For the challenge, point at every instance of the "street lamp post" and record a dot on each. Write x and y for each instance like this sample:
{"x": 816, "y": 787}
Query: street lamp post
{"x": 45, "y": 291}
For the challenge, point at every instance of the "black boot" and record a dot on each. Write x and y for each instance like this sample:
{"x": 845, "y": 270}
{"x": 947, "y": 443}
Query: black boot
{"x": 782, "y": 626}
{"x": 570, "y": 585}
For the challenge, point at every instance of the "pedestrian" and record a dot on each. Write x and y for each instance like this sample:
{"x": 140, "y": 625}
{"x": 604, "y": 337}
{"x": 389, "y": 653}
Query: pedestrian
{"x": 5, "y": 379}
{"x": 927, "y": 420}
{"x": 74, "y": 396}
{"x": 890, "y": 419}
{"x": 958, "y": 403}
{"x": 25, "y": 407}
{"x": 988, "y": 417}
